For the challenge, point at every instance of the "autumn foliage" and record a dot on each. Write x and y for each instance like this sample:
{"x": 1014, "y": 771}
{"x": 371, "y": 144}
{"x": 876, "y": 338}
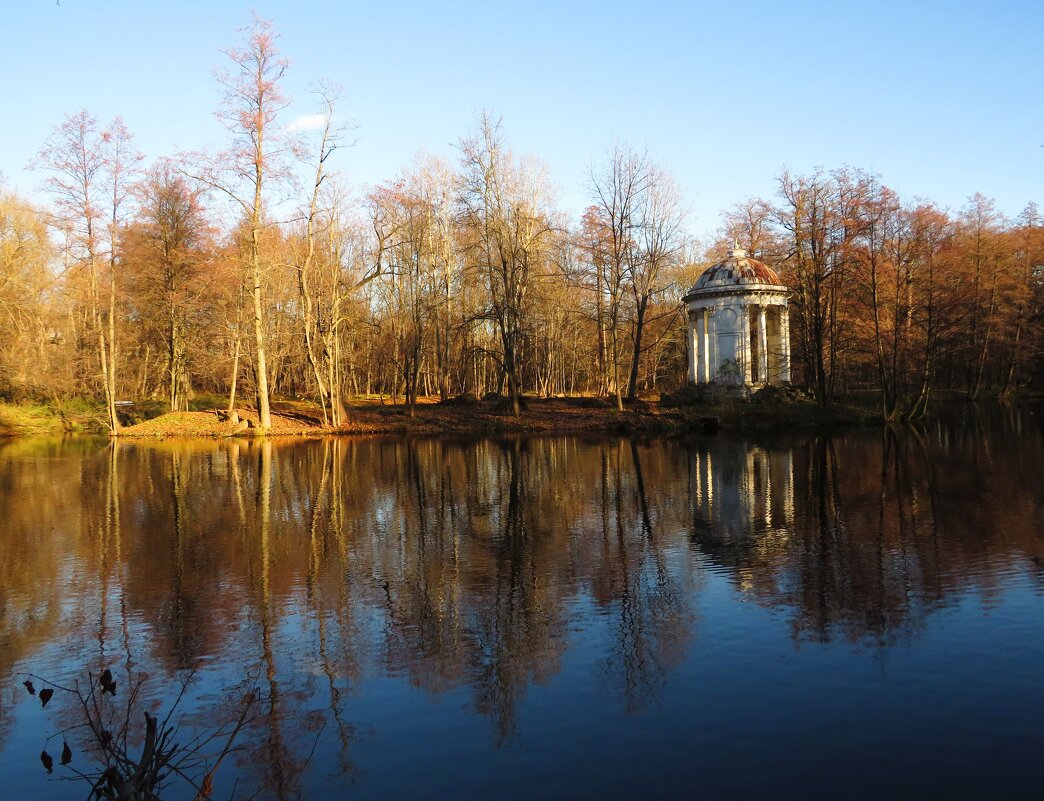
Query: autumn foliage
{"x": 254, "y": 271}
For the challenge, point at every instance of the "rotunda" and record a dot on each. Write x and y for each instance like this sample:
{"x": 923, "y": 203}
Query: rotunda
{"x": 738, "y": 325}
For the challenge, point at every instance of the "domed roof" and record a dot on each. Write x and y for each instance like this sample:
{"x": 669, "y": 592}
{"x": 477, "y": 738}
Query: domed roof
{"x": 735, "y": 271}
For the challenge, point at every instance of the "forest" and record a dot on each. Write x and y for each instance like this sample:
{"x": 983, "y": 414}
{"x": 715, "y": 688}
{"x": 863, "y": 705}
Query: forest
{"x": 255, "y": 271}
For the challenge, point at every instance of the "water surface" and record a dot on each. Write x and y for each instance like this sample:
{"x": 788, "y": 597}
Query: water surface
{"x": 857, "y": 616}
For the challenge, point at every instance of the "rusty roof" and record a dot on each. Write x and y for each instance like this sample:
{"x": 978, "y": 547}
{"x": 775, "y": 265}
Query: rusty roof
{"x": 738, "y": 269}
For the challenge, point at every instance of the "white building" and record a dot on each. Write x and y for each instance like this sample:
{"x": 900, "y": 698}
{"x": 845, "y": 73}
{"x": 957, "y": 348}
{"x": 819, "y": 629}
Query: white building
{"x": 739, "y": 325}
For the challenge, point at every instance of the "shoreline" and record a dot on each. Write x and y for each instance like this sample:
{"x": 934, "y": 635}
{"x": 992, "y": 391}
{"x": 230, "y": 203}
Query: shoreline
{"x": 469, "y": 416}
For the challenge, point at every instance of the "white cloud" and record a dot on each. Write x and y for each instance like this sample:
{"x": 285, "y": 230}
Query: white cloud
{"x": 308, "y": 122}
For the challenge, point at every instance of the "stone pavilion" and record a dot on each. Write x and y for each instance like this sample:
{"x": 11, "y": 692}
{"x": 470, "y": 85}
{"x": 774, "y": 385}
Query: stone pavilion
{"x": 738, "y": 326}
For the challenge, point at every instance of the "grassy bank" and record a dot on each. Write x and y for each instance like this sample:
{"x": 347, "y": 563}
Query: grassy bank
{"x": 28, "y": 420}
{"x": 79, "y": 415}
{"x": 539, "y": 415}
{"x": 457, "y": 416}
{"x": 66, "y": 416}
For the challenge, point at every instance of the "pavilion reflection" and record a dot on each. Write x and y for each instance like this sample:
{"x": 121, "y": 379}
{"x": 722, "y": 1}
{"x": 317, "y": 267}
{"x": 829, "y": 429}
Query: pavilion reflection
{"x": 478, "y": 566}
{"x": 742, "y": 501}
{"x": 739, "y": 490}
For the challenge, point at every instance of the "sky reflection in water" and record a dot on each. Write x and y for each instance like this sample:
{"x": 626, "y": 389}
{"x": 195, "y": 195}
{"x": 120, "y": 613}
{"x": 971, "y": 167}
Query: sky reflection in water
{"x": 856, "y": 616}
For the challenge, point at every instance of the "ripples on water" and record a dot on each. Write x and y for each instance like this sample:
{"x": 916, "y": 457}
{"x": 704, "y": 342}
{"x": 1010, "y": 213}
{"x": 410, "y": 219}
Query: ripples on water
{"x": 857, "y": 616}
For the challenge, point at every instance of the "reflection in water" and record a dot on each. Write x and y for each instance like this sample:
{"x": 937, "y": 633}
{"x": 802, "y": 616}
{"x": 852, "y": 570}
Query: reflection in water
{"x": 741, "y": 494}
{"x": 485, "y": 571}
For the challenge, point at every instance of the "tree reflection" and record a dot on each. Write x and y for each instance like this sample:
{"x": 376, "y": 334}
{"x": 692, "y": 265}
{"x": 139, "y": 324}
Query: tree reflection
{"x": 655, "y": 616}
{"x": 859, "y": 552}
{"x": 472, "y": 566}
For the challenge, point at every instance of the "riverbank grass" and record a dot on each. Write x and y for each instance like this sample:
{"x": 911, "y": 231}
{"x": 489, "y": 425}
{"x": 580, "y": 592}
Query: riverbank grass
{"x": 29, "y": 420}
{"x": 493, "y": 416}
{"x": 465, "y": 415}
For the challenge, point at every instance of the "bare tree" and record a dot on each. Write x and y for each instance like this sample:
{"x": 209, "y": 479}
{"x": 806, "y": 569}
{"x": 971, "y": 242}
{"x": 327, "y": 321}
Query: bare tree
{"x": 504, "y": 208}
{"x": 979, "y": 229}
{"x": 328, "y": 143}
{"x": 168, "y": 251}
{"x": 750, "y": 224}
{"x": 405, "y": 219}
{"x": 90, "y": 171}
{"x": 618, "y": 189}
{"x": 817, "y": 215}
{"x": 660, "y": 237}
{"x": 26, "y": 254}
{"x": 251, "y": 105}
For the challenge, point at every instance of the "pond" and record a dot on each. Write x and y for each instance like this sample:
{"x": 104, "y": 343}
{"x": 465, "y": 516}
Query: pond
{"x": 858, "y": 615}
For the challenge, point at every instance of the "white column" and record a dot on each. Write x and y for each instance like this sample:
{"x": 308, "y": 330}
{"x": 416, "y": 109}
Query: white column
{"x": 784, "y": 344}
{"x": 690, "y": 345}
{"x": 745, "y": 373}
{"x": 705, "y": 354}
{"x": 697, "y": 345}
{"x": 762, "y": 345}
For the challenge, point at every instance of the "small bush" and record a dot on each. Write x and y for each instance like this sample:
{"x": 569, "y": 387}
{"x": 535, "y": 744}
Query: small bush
{"x": 688, "y": 395}
{"x": 466, "y": 399}
{"x": 593, "y": 402}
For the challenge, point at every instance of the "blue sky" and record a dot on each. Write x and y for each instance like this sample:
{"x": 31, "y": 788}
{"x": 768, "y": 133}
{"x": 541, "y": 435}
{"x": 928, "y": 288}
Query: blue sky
{"x": 941, "y": 99}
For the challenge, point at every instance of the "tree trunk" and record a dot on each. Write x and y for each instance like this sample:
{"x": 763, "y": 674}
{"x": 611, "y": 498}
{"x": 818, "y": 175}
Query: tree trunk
{"x": 639, "y": 326}
{"x": 264, "y": 412}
